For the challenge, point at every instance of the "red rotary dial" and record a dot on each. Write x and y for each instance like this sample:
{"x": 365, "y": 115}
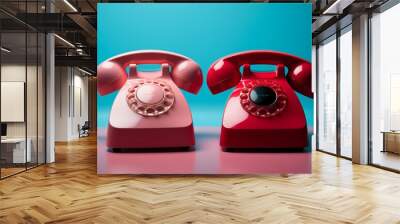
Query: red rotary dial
{"x": 263, "y": 110}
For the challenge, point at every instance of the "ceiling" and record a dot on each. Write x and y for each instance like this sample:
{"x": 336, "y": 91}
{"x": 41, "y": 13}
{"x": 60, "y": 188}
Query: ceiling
{"x": 333, "y": 15}
{"x": 75, "y": 23}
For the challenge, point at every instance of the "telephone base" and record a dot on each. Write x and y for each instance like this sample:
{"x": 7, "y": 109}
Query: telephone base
{"x": 267, "y": 138}
{"x": 150, "y": 137}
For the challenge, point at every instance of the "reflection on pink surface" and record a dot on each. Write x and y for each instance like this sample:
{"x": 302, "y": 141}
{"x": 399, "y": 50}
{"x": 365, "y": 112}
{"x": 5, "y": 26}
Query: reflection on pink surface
{"x": 207, "y": 158}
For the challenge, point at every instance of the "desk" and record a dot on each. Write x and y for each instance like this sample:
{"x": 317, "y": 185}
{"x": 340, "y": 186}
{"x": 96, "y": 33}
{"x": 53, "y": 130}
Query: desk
{"x": 206, "y": 158}
{"x": 15, "y": 148}
{"x": 391, "y": 141}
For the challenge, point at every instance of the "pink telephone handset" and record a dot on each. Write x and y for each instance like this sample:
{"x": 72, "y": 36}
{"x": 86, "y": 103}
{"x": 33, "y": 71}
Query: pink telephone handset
{"x": 149, "y": 110}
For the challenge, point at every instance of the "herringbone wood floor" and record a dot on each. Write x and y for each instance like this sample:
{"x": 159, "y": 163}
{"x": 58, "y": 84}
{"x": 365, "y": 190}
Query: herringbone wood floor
{"x": 70, "y": 191}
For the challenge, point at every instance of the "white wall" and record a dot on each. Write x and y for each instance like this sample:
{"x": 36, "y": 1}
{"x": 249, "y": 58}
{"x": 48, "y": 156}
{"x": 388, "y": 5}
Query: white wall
{"x": 61, "y": 103}
{"x": 80, "y": 102}
{"x": 71, "y": 94}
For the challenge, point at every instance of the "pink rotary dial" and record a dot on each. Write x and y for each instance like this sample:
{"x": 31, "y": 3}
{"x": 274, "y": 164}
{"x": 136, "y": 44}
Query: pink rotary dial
{"x": 150, "y": 93}
{"x": 150, "y": 98}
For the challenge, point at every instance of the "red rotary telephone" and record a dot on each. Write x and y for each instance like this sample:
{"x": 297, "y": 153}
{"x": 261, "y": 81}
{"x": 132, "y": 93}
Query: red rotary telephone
{"x": 263, "y": 111}
{"x": 149, "y": 110}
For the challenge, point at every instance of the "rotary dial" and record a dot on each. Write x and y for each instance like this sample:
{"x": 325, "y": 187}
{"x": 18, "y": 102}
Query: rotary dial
{"x": 263, "y": 98}
{"x": 150, "y": 98}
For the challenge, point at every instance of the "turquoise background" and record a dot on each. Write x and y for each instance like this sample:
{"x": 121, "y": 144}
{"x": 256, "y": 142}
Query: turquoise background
{"x": 203, "y": 32}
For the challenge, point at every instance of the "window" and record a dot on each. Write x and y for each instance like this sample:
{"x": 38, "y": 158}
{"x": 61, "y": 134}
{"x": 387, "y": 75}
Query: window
{"x": 345, "y": 92}
{"x": 326, "y": 95}
{"x": 385, "y": 89}
{"x": 334, "y": 106}
{"x": 22, "y": 77}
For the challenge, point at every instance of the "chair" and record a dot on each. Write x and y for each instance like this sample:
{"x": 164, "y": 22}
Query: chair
{"x": 84, "y": 130}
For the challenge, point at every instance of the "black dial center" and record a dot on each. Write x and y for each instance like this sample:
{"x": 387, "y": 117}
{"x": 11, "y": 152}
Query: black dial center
{"x": 263, "y": 95}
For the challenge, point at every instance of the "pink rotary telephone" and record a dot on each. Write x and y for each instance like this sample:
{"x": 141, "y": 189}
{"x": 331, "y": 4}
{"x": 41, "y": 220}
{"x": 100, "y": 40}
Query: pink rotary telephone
{"x": 149, "y": 110}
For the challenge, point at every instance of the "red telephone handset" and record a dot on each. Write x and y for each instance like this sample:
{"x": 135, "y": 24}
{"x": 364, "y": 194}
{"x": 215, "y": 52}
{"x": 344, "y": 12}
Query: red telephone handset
{"x": 149, "y": 110}
{"x": 263, "y": 111}
{"x": 225, "y": 73}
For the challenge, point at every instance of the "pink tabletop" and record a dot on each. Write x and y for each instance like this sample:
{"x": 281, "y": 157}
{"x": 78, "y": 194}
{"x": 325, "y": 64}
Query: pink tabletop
{"x": 205, "y": 158}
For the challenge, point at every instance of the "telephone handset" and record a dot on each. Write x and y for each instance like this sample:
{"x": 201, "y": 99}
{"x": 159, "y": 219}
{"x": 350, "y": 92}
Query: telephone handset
{"x": 263, "y": 111}
{"x": 149, "y": 110}
{"x": 185, "y": 73}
